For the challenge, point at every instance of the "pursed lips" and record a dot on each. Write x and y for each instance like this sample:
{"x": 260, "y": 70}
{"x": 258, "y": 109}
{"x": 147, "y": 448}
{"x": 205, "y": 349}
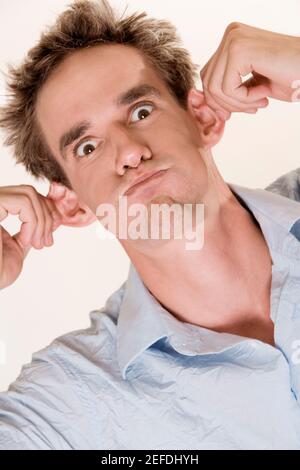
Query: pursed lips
{"x": 143, "y": 179}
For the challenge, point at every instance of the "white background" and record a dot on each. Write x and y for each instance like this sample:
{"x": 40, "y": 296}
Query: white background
{"x": 60, "y": 285}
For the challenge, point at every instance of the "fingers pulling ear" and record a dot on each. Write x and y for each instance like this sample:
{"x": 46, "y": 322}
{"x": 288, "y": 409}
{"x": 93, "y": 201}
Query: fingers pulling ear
{"x": 209, "y": 122}
{"x": 73, "y": 213}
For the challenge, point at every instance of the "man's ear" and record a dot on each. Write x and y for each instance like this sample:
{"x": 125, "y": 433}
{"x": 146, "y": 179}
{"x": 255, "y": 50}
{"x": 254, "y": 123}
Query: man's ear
{"x": 209, "y": 123}
{"x": 73, "y": 212}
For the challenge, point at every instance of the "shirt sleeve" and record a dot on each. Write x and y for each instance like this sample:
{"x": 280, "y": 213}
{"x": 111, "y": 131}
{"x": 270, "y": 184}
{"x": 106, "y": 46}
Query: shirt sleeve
{"x": 37, "y": 411}
{"x": 287, "y": 185}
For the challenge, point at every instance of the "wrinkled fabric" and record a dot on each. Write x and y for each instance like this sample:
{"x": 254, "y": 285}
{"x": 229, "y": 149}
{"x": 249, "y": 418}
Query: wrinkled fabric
{"x": 287, "y": 185}
{"x": 138, "y": 378}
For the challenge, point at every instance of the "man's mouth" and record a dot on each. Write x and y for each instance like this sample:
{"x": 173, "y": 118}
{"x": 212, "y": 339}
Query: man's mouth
{"x": 140, "y": 182}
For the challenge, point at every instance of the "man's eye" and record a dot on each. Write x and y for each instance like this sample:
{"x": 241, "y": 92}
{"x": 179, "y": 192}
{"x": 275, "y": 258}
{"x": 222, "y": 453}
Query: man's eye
{"x": 84, "y": 149}
{"x": 142, "y": 111}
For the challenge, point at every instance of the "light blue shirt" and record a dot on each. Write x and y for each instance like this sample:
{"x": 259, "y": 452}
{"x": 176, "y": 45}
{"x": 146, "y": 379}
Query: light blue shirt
{"x": 139, "y": 378}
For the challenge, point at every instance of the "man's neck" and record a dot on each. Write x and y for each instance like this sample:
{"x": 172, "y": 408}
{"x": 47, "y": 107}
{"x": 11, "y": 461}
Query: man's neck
{"x": 226, "y": 285}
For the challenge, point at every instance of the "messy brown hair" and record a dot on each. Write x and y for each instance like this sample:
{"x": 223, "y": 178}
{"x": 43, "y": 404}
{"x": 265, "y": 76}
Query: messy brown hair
{"x": 84, "y": 24}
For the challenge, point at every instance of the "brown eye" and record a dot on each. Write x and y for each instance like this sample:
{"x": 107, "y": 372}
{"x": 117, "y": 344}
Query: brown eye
{"x": 84, "y": 149}
{"x": 142, "y": 111}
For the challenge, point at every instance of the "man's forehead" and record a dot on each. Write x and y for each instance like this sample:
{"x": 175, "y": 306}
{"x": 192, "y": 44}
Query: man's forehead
{"x": 105, "y": 70}
{"x": 105, "y": 62}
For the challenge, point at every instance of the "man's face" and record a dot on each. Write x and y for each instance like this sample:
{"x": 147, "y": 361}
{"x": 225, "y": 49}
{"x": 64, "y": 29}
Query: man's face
{"x": 124, "y": 141}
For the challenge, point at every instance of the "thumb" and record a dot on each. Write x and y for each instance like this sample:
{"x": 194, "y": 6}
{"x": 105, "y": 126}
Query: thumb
{"x": 25, "y": 247}
{"x": 257, "y": 87}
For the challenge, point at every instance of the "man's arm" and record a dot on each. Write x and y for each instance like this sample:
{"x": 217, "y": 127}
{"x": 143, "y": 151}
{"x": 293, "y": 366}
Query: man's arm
{"x": 287, "y": 185}
{"x": 42, "y": 409}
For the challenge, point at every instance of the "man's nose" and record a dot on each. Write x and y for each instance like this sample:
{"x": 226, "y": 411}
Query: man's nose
{"x": 130, "y": 151}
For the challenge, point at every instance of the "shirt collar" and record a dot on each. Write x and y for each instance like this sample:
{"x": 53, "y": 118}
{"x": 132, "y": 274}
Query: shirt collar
{"x": 142, "y": 320}
{"x": 270, "y": 209}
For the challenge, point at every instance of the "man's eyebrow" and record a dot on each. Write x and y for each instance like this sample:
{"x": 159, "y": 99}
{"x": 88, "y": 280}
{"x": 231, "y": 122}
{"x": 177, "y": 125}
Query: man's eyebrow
{"x": 125, "y": 99}
{"x": 72, "y": 135}
{"x": 137, "y": 92}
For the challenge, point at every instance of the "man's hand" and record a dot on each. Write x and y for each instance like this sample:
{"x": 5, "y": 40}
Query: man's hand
{"x": 39, "y": 218}
{"x": 273, "y": 60}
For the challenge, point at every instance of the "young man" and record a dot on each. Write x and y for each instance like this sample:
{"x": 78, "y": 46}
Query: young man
{"x": 196, "y": 350}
